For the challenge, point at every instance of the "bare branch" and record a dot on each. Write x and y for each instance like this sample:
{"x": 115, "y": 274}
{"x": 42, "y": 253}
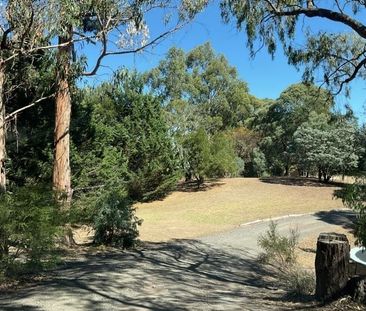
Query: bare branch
{"x": 48, "y": 47}
{"x": 357, "y": 26}
{"x": 352, "y": 76}
{"x": 104, "y": 53}
{"x": 12, "y": 115}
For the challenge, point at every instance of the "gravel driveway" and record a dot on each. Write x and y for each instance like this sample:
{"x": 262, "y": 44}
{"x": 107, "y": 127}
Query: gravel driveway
{"x": 218, "y": 272}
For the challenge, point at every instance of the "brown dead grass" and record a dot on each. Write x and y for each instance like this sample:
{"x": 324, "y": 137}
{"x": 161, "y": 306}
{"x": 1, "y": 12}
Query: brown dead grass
{"x": 307, "y": 247}
{"x": 226, "y": 204}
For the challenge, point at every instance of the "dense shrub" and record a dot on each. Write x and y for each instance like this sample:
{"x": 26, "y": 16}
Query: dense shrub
{"x": 115, "y": 222}
{"x": 259, "y": 163}
{"x": 354, "y": 197}
{"x": 29, "y": 224}
{"x": 223, "y": 160}
{"x": 121, "y": 138}
{"x": 209, "y": 156}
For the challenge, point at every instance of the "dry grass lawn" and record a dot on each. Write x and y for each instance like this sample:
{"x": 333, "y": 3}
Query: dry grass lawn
{"x": 227, "y": 203}
{"x": 307, "y": 247}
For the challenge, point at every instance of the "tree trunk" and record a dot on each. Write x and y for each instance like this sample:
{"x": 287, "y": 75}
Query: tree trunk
{"x": 2, "y": 130}
{"x": 331, "y": 265}
{"x": 319, "y": 174}
{"x": 61, "y": 166}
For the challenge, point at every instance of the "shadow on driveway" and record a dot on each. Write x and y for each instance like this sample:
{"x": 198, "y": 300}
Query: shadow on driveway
{"x": 182, "y": 275}
{"x": 343, "y": 218}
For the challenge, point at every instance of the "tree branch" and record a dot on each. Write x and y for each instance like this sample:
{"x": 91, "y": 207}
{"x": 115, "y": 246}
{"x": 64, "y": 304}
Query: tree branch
{"x": 3, "y": 45}
{"x": 352, "y": 76}
{"x": 12, "y": 115}
{"x": 345, "y": 19}
{"x": 104, "y": 53}
{"x": 48, "y": 47}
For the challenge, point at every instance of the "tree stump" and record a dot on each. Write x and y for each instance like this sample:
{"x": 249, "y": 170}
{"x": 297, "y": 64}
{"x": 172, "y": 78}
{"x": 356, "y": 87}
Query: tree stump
{"x": 331, "y": 265}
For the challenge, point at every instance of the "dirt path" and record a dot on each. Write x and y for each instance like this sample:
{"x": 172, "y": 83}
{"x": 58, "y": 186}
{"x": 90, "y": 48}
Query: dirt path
{"x": 216, "y": 272}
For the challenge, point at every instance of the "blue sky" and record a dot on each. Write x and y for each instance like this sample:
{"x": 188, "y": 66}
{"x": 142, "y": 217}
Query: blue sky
{"x": 266, "y": 78}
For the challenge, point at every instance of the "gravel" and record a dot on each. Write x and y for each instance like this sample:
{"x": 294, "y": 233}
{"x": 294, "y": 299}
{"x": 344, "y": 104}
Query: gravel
{"x": 216, "y": 272}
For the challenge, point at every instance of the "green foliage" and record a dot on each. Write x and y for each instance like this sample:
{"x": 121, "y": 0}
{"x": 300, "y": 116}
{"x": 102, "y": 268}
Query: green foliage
{"x": 327, "y": 146}
{"x": 338, "y": 55}
{"x": 115, "y": 222}
{"x": 277, "y": 248}
{"x": 354, "y": 197}
{"x": 200, "y": 90}
{"x": 283, "y": 117}
{"x": 197, "y": 148}
{"x": 126, "y": 142}
{"x": 29, "y": 224}
{"x": 361, "y": 141}
{"x": 30, "y": 134}
{"x": 245, "y": 141}
{"x": 223, "y": 160}
{"x": 209, "y": 156}
{"x": 259, "y": 163}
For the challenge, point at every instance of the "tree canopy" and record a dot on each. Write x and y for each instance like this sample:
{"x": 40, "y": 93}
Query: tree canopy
{"x": 340, "y": 55}
{"x": 283, "y": 117}
{"x": 327, "y": 146}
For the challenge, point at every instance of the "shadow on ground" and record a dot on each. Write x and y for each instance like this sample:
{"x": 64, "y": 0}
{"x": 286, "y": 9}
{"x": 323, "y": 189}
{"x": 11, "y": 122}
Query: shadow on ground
{"x": 184, "y": 275}
{"x": 299, "y": 181}
{"x": 192, "y": 186}
{"x": 343, "y": 218}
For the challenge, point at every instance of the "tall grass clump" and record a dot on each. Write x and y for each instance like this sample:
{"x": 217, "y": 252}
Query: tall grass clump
{"x": 280, "y": 252}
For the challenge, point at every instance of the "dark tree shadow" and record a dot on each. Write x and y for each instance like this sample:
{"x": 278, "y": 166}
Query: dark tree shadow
{"x": 307, "y": 250}
{"x": 300, "y": 181}
{"x": 182, "y": 275}
{"x": 11, "y": 307}
{"x": 192, "y": 186}
{"x": 343, "y": 218}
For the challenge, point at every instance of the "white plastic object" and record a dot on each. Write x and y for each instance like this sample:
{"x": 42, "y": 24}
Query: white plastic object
{"x": 358, "y": 254}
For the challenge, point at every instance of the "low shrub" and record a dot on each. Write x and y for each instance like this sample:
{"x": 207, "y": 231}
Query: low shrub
{"x": 29, "y": 224}
{"x": 297, "y": 281}
{"x": 354, "y": 197}
{"x": 278, "y": 249}
{"x": 115, "y": 222}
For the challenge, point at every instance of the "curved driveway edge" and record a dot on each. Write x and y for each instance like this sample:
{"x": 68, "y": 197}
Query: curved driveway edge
{"x": 217, "y": 272}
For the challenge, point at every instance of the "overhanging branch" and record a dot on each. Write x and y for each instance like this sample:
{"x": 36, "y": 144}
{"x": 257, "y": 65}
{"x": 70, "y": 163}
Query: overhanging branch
{"x": 104, "y": 53}
{"x": 12, "y": 115}
{"x": 345, "y": 19}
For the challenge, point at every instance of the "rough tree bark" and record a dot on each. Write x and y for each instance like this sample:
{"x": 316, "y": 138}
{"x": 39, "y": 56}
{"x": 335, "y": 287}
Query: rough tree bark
{"x": 2, "y": 130}
{"x": 331, "y": 265}
{"x": 61, "y": 164}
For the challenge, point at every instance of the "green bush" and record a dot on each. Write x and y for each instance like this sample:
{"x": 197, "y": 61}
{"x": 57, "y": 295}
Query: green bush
{"x": 277, "y": 248}
{"x": 115, "y": 222}
{"x": 354, "y": 197}
{"x": 259, "y": 163}
{"x": 29, "y": 224}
